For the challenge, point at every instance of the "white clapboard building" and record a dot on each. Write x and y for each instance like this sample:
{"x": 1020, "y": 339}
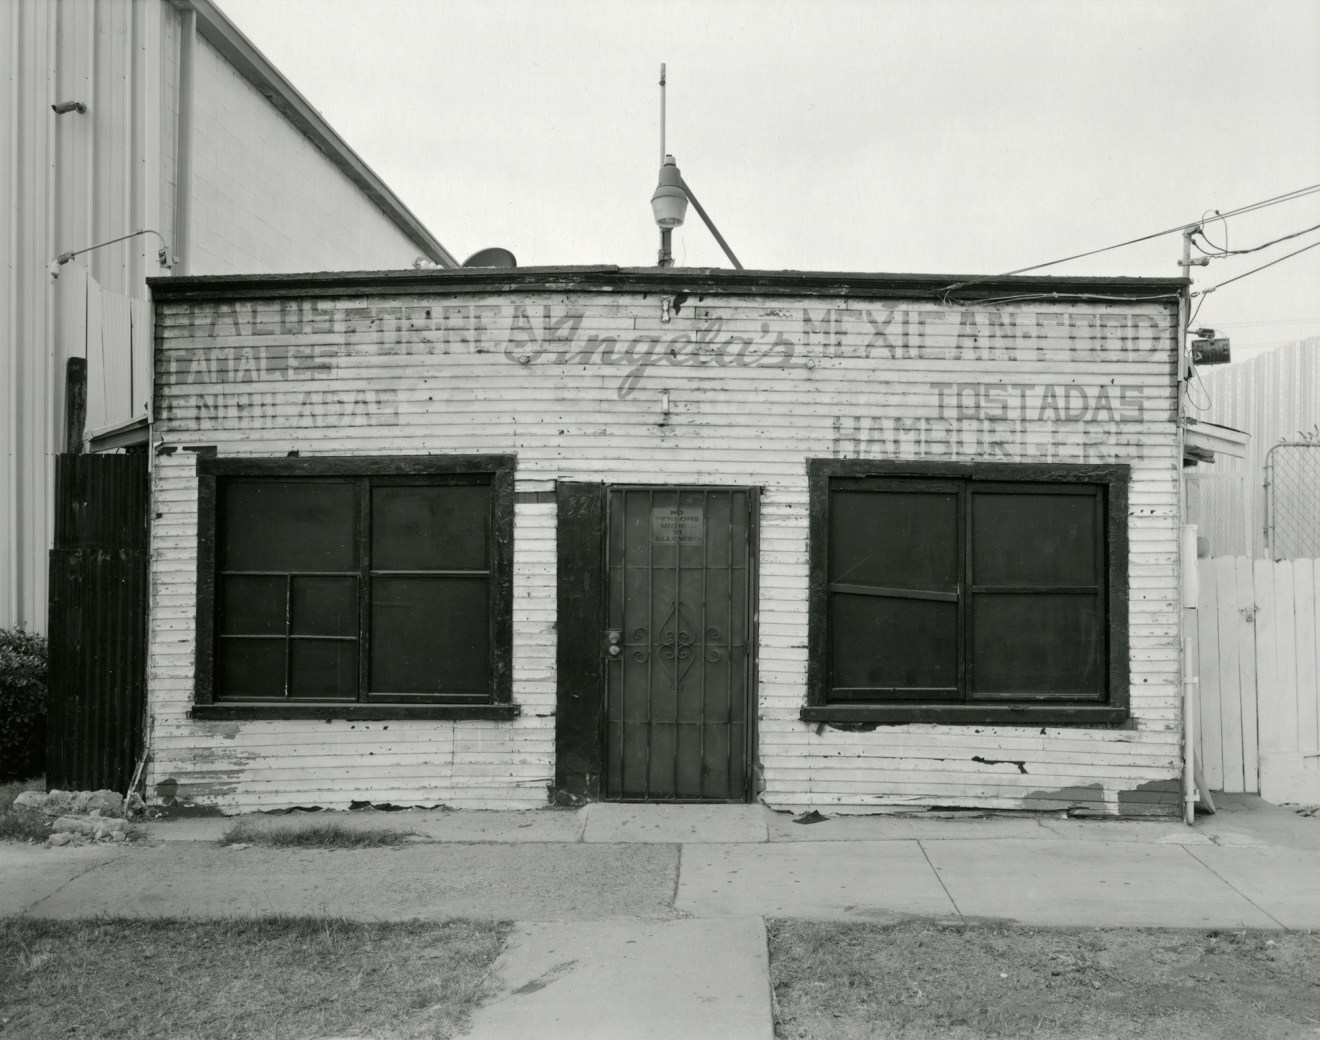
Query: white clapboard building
{"x": 488, "y": 537}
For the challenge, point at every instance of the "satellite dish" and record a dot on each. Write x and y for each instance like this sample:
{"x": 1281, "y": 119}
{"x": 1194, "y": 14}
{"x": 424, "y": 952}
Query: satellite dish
{"x": 492, "y": 257}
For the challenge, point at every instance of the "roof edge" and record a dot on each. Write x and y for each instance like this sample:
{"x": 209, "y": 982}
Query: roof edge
{"x": 222, "y": 34}
{"x": 606, "y": 278}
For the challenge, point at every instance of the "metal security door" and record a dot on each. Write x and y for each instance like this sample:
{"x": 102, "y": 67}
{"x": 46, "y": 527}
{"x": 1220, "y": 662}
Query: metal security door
{"x": 678, "y": 643}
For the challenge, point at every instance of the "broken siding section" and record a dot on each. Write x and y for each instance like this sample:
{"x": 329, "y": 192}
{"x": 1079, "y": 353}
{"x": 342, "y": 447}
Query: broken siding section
{"x": 571, "y": 383}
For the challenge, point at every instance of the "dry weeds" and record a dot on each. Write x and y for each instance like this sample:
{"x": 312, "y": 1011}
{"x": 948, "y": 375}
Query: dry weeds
{"x": 320, "y": 835}
{"x": 921, "y": 981}
{"x": 284, "y": 978}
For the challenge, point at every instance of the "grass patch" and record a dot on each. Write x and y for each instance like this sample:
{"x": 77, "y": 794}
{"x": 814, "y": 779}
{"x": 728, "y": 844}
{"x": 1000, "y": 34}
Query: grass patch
{"x": 281, "y": 978}
{"x": 920, "y": 981}
{"x": 19, "y": 824}
{"x": 328, "y": 835}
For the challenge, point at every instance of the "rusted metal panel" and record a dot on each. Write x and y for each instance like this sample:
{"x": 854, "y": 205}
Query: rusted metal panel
{"x": 706, "y": 386}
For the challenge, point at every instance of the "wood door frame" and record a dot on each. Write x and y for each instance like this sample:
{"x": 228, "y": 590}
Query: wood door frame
{"x": 582, "y": 545}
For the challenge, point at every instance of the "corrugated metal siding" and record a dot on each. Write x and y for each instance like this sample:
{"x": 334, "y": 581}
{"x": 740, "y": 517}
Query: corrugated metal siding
{"x": 98, "y": 572}
{"x": 27, "y": 370}
{"x": 70, "y": 181}
{"x": 1273, "y": 397}
{"x": 756, "y": 386}
{"x": 267, "y": 200}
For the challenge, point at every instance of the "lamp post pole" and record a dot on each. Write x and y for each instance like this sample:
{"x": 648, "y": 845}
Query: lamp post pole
{"x": 666, "y": 258}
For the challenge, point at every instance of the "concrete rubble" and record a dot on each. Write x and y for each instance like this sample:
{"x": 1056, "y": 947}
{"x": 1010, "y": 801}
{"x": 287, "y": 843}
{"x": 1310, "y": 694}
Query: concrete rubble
{"x": 80, "y": 816}
{"x": 71, "y": 803}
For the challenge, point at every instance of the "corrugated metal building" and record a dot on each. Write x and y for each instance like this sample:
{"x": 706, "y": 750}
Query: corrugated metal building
{"x": 128, "y": 115}
{"x": 848, "y": 541}
{"x": 1274, "y": 397}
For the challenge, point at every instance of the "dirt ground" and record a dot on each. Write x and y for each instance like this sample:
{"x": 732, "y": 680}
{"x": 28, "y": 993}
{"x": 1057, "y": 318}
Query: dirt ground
{"x": 921, "y": 981}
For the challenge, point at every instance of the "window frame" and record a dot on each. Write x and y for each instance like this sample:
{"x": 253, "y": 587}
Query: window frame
{"x": 1113, "y": 480}
{"x": 388, "y": 470}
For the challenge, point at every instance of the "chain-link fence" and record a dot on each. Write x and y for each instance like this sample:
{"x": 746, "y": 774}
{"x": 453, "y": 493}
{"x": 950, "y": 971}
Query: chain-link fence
{"x": 1292, "y": 500}
{"x": 1219, "y": 504}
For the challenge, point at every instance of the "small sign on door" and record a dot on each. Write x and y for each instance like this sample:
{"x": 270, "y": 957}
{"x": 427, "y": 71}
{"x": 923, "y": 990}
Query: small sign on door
{"x": 677, "y": 525}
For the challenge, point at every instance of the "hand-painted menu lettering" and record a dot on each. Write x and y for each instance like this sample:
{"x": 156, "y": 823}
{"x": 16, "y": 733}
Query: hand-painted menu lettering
{"x": 991, "y": 440}
{"x": 1017, "y": 422}
{"x": 318, "y": 338}
{"x": 1037, "y": 402}
{"x": 248, "y": 410}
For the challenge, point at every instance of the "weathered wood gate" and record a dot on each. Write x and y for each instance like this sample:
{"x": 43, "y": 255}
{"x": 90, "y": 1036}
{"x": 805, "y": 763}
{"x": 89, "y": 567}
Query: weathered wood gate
{"x": 1258, "y": 714}
{"x": 97, "y": 621}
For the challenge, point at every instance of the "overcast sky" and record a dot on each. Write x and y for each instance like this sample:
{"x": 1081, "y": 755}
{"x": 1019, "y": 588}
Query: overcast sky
{"x": 933, "y": 136}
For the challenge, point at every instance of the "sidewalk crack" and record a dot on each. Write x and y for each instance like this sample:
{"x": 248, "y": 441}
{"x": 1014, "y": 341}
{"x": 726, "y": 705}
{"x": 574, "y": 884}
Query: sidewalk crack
{"x": 952, "y": 902}
{"x": 1188, "y": 849}
{"x": 76, "y": 877}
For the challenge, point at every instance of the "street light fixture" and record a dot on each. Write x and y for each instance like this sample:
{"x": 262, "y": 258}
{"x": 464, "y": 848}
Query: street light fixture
{"x": 670, "y": 201}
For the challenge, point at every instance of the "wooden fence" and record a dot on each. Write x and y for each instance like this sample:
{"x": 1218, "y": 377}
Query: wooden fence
{"x": 1257, "y": 725}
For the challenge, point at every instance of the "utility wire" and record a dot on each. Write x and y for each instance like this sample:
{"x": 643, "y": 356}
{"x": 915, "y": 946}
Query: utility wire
{"x": 1192, "y": 320}
{"x": 1238, "y": 278}
{"x": 1260, "y": 324}
{"x": 1253, "y": 249}
{"x": 1251, "y": 207}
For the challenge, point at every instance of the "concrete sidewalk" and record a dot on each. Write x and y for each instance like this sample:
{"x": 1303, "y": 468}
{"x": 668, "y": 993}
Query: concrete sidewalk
{"x": 624, "y": 907}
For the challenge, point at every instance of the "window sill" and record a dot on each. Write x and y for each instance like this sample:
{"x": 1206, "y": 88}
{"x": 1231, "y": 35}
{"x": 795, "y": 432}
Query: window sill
{"x": 355, "y": 712}
{"x": 968, "y": 714}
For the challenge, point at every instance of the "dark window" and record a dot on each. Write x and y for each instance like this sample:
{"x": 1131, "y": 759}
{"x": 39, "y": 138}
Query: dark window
{"x": 966, "y": 593}
{"x": 366, "y": 587}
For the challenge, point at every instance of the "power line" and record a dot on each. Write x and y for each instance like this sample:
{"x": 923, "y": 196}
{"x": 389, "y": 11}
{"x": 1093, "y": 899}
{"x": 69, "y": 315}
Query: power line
{"x": 1249, "y": 208}
{"x": 1288, "y": 197}
{"x": 1253, "y": 249}
{"x": 1259, "y": 324}
{"x": 1238, "y": 278}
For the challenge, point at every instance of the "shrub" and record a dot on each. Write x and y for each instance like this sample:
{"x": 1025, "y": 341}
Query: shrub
{"x": 22, "y": 704}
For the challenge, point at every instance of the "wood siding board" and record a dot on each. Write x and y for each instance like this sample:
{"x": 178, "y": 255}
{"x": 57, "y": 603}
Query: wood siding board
{"x": 1308, "y": 666}
{"x": 1231, "y": 674}
{"x": 1247, "y": 633}
{"x": 1277, "y": 713}
{"x": 1305, "y": 640}
{"x": 1209, "y": 731}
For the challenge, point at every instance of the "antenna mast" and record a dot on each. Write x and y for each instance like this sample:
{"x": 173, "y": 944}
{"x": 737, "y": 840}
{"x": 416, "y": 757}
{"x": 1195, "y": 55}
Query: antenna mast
{"x": 662, "y": 113}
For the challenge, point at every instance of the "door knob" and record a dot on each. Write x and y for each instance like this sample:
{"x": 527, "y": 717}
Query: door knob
{"x": 615, "y": 651}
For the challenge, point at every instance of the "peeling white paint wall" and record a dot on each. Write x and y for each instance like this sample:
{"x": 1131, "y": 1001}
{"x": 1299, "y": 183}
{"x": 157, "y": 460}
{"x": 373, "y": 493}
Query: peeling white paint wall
{"x": 571, "y": 384}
